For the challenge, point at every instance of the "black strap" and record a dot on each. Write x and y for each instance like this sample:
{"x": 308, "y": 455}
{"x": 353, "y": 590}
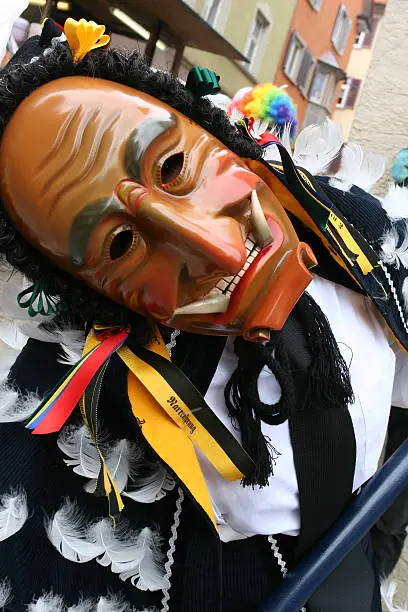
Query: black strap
{"x": 324, "y": 450}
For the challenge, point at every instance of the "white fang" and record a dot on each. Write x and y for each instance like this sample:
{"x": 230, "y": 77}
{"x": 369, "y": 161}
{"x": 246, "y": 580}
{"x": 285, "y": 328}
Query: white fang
{"x": 259, "y": 225}
{"x": 13, "y": 513}
{"x": 214, "y": 302}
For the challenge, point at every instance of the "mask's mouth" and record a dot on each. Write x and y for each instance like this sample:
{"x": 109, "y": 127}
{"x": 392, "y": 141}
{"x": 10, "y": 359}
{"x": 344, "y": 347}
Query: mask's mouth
{"x": 218, "y": 299}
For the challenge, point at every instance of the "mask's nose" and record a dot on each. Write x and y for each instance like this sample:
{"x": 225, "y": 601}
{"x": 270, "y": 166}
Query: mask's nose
{"x": 207, "y": 241}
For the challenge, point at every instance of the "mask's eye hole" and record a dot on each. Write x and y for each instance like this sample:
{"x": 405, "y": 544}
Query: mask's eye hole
{"x": 172, "y": 168}
{"x": 121, "y": 243}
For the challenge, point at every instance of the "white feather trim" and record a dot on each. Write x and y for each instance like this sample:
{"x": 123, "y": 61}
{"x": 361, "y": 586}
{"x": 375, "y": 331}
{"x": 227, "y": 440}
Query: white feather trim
{"x": 136, "y": 557}
{"x": 9, "y": 12}
{"x": 152, "y": 487}
{"x": 259, "y": 127}
{"x": 122, "y": 460}
{"x": 121, "y": 550}
{"x": 15, "y": 407}
{"x": 393, "y": 254}
{"x": 285, "y": 137}
{"x": 118, "y": 463}
{"x": 8, "y": 399}
{"x": 151, "y": 569}
{"x": 5, "y": 592}
{"x": 405, "y": 293}
{"x": 47, "y": 603}
{"x": 112, "y": 603}
{"x": 236, "y": 115}
{"x": 13, "y": 513}
{"x": 83, "y": 606}
{"x": 271, "y": 154}
{"x": 357, "y": 168}
{"x": 395, "y": 203}
{"x": 76, "y": 442}
{"x": 108, "y": 603}
{"x": 67, "y": 531}
{"x": 317, "y": 145}
{"x": 12, "y": 336}
{"x": 388, "y": 590}
{"x": 72, "y": 345}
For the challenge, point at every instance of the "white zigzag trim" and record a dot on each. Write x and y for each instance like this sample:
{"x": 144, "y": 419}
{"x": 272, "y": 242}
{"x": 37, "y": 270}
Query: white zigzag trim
{"x": 170, "y": 346}
{"x": 170, "y": 559}
{"x": 281, "y": 562}
{"x": 275, "y": 549}
{"x": 394, "y": 293}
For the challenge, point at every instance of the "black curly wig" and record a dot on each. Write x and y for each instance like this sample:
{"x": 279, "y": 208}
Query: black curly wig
{"x": 18, "y": 80}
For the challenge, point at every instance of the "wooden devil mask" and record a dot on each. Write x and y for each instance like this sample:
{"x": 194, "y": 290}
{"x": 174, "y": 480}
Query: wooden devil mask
{"x": 145, "y": 206}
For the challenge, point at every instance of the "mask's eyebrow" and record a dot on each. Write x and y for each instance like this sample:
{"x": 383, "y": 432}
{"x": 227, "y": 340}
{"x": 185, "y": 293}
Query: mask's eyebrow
{"x": 142, "y": 138}
{"x": 84, "y": 224}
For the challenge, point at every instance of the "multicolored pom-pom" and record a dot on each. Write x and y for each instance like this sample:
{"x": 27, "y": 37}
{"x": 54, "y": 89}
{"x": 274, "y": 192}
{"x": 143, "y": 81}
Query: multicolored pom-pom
{"x": 267, "y": 102}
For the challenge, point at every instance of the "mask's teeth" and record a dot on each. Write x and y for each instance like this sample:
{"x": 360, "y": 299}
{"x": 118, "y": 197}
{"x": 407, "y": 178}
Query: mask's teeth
{"x": 214, "y": 302}
{"x": 259, "y": 224}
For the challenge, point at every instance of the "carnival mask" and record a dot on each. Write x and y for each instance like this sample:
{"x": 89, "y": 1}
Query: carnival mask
{"x": 148, "y": 208}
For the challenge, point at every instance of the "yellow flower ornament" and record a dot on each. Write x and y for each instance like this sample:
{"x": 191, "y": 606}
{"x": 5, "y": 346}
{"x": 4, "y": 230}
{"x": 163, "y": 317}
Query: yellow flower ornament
{"x": 84, "y": 36}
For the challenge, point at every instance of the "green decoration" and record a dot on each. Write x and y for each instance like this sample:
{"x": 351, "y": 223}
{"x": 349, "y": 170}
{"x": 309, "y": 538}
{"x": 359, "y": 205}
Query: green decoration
{"x": 37, "y": 300}
{"x": 202, "y": 82}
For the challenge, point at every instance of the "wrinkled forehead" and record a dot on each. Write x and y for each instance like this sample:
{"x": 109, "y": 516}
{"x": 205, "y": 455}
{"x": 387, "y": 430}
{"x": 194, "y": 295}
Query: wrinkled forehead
{"x": 67, "y": 143}
{"x": 73, "y": 112}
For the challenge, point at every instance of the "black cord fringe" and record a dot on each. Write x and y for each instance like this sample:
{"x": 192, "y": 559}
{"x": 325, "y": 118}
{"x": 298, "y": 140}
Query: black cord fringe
{"x": 325, "y": 382}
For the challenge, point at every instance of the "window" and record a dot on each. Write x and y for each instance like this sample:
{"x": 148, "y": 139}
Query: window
{"x": 341, "y": 29}
{"x": 316, "y": 4}
{"x": 358, "y": 43}
{"x": 352, "y": 93}
{"x": 323, "y": 85}
{"x": 294, "y": 57}
{"x": 343, "y": 93}
{"x": 211, "y": 11}
{"x": 257, "y": 37}
{"x": 369, "y": 36}
{"x": 305, "y": 71}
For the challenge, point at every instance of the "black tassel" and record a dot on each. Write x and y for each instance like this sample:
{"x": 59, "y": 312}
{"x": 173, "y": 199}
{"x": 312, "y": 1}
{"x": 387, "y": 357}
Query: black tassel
{"x": 328, "y": 383}
{"x": 246, "y": 409}
{"x": 310, "y": 369}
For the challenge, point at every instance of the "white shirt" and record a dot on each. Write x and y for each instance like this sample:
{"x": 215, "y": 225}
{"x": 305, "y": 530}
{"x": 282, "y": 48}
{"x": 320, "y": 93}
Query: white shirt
{"x": 367, "y": 349}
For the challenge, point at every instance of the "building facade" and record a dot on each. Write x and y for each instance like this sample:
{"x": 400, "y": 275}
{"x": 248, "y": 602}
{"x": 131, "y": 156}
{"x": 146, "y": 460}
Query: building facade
{"x": 257, "y": 28}
{"x": 357, "y": 69}
{"x": 381, "y": 118}
{"x": 317, "y": 51}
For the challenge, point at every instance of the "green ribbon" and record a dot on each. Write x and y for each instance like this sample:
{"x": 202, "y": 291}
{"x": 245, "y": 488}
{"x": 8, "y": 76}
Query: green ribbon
{"x": 37, "y": 300}
{"x": 202, "y": 82}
